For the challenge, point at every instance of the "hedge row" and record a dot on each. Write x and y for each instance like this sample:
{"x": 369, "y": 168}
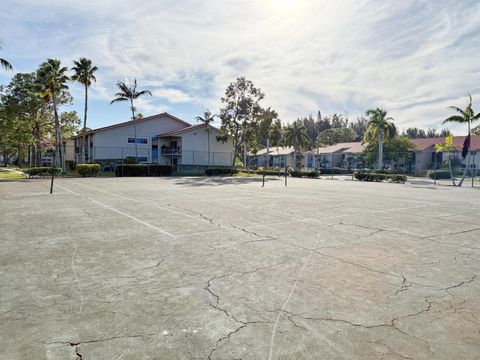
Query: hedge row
{"x": 301, "y": 173}
{"x": 220, "y": 172}
{"x": 87, "y": 170}
{"x": 336, "y": 171}
{"x": 397, "y": 178}
{"x": 441, "y": 174}
{"x": 268, "y": 172}
{"x": 142, "y": 170}
{"x": 42, "y": 171}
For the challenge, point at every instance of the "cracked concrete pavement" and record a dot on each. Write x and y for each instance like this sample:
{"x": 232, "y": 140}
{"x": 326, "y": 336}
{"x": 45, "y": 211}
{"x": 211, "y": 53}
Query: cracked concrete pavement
{"x": 198, "y": 268}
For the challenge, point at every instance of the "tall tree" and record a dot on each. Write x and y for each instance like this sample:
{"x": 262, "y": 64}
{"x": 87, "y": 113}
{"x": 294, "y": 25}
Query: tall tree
{"x": 4, "y": 63}
{"x": 380, "y": 128}
{"x": 52, "y": 81}
{"x": 240, "y": 113}
{"x": 464, "y": 116}
{"x": 30, "y": 110}
{"x": 336, "y": 135}
{"x": 207, "y": 118}
{"x": 414, "y": 133}
{"x": 359, "y": 127}
{"x": 267, "y": 118}
{"x": 129, "y": 92}
{"x": 296, "y": 136}
{"x": 84, "y": 73}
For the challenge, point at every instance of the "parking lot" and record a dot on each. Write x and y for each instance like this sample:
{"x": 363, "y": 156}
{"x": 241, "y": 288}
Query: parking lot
{"x": 223, "y": 268}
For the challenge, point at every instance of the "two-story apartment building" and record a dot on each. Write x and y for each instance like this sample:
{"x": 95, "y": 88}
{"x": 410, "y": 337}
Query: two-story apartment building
{"x": 158, "y": 139}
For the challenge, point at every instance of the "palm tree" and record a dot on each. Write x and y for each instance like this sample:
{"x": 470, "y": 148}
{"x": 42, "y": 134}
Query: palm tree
{"x": 466, "y": 116}
{"x": 130, "y": 93}
{"x": 84, "y": 74}
{"x": 276, "y": 134}
{"x": 4, "y": 63}
{"x": 296, "y": 136}
{"x": 207, "y": 119}
{"x": 380, "y": 128}
{"x": 51, "y": 82}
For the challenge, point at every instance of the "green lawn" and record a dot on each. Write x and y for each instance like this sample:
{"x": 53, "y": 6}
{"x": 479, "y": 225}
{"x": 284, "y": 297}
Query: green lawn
{"x": 5, "y": 174}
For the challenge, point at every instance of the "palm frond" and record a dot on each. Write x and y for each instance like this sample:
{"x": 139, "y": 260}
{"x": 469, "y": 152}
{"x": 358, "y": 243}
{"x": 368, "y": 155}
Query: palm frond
{"x": 455, "y": 118}
{"x": 457, "y": 109}
{"x": 136, "y": 95}
{"x": 119, "y": 99}
{"x": 5, "y": 64}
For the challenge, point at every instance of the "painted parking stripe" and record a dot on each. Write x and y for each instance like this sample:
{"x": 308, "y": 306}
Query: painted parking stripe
{"x": 118, "y": 212}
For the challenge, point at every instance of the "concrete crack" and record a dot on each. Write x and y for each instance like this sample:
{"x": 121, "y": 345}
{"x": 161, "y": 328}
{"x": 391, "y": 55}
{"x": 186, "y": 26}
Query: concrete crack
{"x": 461, "y": 283}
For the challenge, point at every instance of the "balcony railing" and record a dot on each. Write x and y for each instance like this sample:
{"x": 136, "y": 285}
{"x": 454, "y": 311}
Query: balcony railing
{"x": 171, "y": 151}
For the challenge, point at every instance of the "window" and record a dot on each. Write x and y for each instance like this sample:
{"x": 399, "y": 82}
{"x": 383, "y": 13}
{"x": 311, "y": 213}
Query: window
{"x": 132, "y": 140}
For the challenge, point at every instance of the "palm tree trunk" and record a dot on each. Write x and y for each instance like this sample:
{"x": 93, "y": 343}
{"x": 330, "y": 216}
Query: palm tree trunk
{"x": 85, "y": 147}
{"x": 134, "y": 129}
{"x": 468, "y": 162}
{"x": 268, "y": 154}
{"x": 294, "y": 158}
{"x": 452, "y": 176}
{"x": 380, "y": 151}
{"x": 58, "y": 147}
{"x": 244, "y": 154}
{"x": 208, "y": 144}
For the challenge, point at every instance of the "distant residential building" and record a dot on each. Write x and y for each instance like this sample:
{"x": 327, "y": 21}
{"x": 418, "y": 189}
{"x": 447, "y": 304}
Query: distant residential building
{"x": 348, "y": 155}
{"x": 278, "y": 157}
{"x": 425, "y": 152}
{"x": 334, "y": 155}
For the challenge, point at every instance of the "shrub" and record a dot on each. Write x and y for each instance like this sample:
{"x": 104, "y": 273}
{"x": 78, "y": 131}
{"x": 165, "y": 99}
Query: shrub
{"x": 88, "y": 169}
{"x": 42, "y": 171}
{"x": 220, "y": 172}
{"x": 377, "y": 177}
{"x": 301, "y": 173}
{"x": 143, "y": 170}
{"x": 441, "y": 174}
{"x": 129, "y": 160}
{"x": 337, "y": 171}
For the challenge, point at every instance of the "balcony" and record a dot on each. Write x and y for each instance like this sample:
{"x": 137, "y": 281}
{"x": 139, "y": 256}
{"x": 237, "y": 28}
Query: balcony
{"x": 171, "y": 151}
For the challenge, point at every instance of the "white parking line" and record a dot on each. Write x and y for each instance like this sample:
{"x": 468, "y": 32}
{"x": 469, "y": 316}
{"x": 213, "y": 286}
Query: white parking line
{"x": 118, "y": 212}
{"x": 150, "y": 203}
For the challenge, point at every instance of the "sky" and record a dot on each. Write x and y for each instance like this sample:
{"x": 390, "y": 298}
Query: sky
{"x": 414, "y": 58}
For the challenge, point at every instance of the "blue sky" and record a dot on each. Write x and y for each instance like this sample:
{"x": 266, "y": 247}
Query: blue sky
{"x": 412, "y": 57}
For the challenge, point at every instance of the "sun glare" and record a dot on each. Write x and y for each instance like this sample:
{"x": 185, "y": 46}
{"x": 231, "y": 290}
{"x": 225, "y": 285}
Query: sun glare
{"x": 282, "y": 5}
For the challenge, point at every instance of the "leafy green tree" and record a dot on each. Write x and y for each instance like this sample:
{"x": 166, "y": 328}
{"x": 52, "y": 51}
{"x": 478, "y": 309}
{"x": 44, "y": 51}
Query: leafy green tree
{"x": 380, "y": 128}
{"x": 207, "y": 118}
{"x": 267, "y": 118}
{"x": 128, "y": 92}
{"x": 359, "y": 127}
{"x": 397, "y": 149}
{"x": 296, "y": 136}
{"x": 4, "y": 63}
{"x": 276, "y": 133}
{"x": 336, "y": 135}
{"x": 464, "y": 116}
{"x": 449, "y": 148}
{"x": 69, "y": 124}
{"x": 51, "y": 83}
{"x": 414, "y": 133}
{"x": 84, "y": 73}
{"x": 240, "y": 114}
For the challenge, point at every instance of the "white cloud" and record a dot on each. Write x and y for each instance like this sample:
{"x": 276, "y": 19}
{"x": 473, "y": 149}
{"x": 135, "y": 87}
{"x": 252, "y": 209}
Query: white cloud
{"x": 412, "y": 57}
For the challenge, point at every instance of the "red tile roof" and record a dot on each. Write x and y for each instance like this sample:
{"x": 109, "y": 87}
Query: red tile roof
{"x": 165, "y": 114}
{"x": 423, "y": 144}
{"x": 182, "y": 130}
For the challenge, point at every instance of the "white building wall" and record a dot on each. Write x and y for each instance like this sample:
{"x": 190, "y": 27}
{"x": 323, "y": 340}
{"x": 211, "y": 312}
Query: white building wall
{"x": 195, "y": 148}
{"x": 113, "y": 143}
